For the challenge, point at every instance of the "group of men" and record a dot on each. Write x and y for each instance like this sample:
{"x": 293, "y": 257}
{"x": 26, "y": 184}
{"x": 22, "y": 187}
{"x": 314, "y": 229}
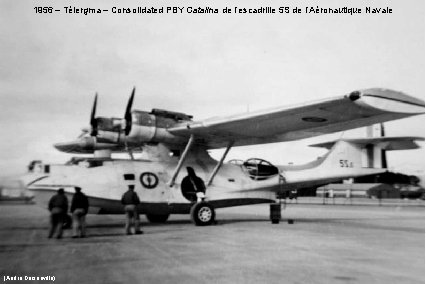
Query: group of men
{"x": 58, "y": 207}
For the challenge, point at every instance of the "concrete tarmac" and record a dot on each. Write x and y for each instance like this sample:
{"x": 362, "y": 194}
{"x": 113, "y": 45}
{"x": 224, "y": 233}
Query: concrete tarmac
{"x": 326, "y": 244}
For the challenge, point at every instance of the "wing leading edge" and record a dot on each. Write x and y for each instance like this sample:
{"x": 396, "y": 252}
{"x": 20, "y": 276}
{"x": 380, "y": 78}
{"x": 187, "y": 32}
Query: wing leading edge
{"x": 357, "y": 109}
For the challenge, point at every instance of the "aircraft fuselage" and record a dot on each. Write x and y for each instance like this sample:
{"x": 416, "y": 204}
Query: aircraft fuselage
{"x": 102, "y": 181}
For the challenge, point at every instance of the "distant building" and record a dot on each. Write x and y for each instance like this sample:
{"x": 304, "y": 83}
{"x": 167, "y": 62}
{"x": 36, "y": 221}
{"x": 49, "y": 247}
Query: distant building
{"x": 367, "y": 190}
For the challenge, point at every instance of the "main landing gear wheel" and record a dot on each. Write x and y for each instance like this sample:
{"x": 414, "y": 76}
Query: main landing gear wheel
{"x": 202, "y": 214}
{"x": 157, "y": 218}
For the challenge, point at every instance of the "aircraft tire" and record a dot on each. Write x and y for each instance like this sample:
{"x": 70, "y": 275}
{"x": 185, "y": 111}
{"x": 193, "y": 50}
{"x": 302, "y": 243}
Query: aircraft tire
{"x": 202, "y": 214}
{"x": 67, "y": 222}
{"x": 157, "y": 218}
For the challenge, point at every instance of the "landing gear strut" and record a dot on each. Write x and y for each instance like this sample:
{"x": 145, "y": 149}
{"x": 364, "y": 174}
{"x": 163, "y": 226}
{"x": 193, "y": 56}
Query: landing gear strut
{"x": 275, "y": 212}
{"x": 202, "y": 214}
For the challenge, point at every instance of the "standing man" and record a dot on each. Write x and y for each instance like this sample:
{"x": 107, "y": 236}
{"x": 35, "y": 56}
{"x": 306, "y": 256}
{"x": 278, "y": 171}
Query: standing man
{"x": 58, "y": 207}
{"x": 130, "y": 200}
{"x": 79, "y": 208}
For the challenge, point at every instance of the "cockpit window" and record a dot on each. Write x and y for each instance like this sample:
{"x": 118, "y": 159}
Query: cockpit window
{"x": 258, "y": 169}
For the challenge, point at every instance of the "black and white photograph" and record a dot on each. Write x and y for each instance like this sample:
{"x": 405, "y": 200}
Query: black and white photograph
{"x": 222, "y": 141}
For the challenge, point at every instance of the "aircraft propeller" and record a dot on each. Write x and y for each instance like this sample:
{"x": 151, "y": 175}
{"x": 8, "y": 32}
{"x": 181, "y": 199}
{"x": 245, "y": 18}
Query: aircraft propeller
{"x": 122, "y": 126}
{"x": 111, "y": 130}
{"x": 126, "y": 122}
{"x": 128, "y": 114}
{"x": 93, "y": 121}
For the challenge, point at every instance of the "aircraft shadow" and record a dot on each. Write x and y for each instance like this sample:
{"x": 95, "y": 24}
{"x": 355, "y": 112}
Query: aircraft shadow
{"x": 287, "y": 220}
{"x": 91, "y": 235}
{"x": 106, "y": 226}
{"x": 44, "y": 227}
{"x": 240, "y": 220}
{"x": 174, "y": 222}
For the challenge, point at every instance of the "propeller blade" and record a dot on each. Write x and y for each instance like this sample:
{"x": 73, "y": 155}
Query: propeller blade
{"x": 93, "y": 121}
{"x": 128, "y": 114}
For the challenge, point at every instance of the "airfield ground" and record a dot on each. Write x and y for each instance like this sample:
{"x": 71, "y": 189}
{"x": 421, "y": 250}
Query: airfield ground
{"x": 326, "y": 244}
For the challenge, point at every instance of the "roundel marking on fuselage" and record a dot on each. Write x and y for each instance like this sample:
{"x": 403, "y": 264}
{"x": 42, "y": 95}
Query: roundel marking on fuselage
{"x": 149, "y": 180}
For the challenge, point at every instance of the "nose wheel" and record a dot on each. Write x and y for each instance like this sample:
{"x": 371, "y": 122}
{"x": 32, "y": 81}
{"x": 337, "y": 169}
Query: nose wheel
{"x": 202, "y": 214}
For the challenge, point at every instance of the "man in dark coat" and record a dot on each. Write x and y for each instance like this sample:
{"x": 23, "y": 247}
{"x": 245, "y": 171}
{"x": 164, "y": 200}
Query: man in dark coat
{"x": 79, "y": 208}
{"x": 130, "y": 200}
{"x": 193, "y": 186}
{"x": 58, "y": 207}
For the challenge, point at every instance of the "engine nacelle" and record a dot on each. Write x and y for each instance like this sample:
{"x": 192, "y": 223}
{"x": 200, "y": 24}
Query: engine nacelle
{"x": 144, "y": 128}
{"x": 152, "y": 127}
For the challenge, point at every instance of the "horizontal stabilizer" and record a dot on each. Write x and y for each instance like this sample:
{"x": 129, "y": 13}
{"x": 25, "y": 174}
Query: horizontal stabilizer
{"x": 385, "y": 143}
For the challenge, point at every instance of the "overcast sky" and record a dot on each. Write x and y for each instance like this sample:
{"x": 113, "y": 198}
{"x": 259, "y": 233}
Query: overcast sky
{"x": 204, "y": 65}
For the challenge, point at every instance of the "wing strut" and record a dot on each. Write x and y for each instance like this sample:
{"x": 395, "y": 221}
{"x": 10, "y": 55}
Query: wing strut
{"x": 220, "y": 163}
{"x": 181, "y": 160}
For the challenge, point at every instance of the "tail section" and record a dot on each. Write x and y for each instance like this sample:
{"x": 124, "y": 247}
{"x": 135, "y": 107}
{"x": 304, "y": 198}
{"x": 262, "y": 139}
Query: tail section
{"x": 370, "y": 150}
{"x": 347, "y": 158}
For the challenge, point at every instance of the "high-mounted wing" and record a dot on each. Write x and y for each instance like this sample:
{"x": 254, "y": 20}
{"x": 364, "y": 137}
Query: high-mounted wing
{"x": 139, "y": 128}
{"x": 357, "y": 109}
